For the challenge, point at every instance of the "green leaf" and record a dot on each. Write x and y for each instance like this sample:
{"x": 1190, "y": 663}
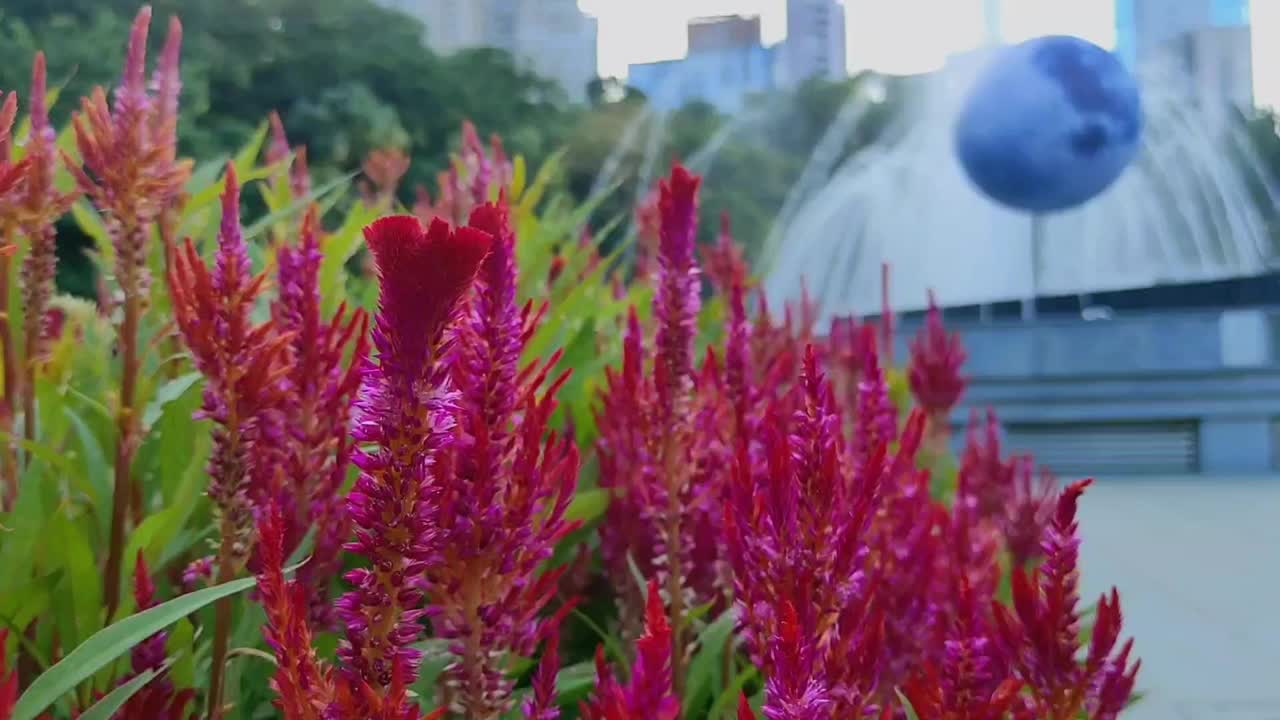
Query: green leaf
{"x": 247, "y": 158}
{"x": 732, "y": 692}
{"x": 611, "y": 644}
{"x": 575, "y": 681}
{"x": 707, "y": 667}
{"x": 296, "y": 207}
{"x": 105, "y": 708}
{"x": 113, "y": 641}
{"x": 82, "y": 575}
{"x": 587, "y": 505}
{"x": 95, "y": 470}
{"x": 168, "y": 392}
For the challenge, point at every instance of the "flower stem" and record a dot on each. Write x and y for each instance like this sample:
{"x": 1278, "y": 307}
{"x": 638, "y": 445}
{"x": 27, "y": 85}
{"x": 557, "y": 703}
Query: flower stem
{"x": 125, "y": 446}
{"x": 10, "y": 457}
{"x": 222, "y": 619}
{"x": 675, "y": 571}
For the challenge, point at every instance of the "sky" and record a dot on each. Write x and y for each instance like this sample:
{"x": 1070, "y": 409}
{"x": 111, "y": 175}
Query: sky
{"x": 896, "y": 36}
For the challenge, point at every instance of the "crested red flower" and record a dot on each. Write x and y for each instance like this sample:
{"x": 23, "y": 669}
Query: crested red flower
{"x": 406, "y": 418}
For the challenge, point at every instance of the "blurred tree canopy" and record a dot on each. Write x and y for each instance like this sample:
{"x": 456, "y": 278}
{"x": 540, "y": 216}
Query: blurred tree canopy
{"x": 349, "y": 76}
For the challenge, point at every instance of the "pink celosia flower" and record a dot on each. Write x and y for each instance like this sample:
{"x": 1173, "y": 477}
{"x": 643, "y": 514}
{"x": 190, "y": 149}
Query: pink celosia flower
{"x": 243, "y": 365}
{"x": 327, "y": 359}
{"x": 649, "y": 694}
{"x": 471, "y": 180}
{"x": 407, "y": 411}
{"x": 503, "y": 492}
{"x": 797, "y": 543}
{"x": 1042, "y": 633}
{"x": 384, "y": 169}
{"x": 197, "y": 573}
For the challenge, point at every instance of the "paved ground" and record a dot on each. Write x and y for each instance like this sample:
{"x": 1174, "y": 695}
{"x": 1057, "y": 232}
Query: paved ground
{"x": 1197, "y": 561}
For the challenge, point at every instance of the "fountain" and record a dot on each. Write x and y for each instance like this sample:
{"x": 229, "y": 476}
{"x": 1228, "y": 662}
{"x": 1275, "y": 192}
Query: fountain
{"x": 1194, "y": 206}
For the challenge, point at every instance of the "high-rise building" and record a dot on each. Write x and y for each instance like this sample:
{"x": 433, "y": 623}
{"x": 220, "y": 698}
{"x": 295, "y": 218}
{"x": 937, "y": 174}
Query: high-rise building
{"x": 1145, "y": 28}
{"x": 723, "y": 32}
{"x": 551, "y": 37}
{"x": 815, "y": 44}
{"x": 726, "y": 63}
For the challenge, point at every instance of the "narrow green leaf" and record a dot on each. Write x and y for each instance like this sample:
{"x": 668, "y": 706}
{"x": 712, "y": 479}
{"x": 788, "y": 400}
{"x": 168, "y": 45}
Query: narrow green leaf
{"x": 113, "y": 641}
{"x": 611, "y": 644}
{"x": 296, "y": 207}
{"x": 105, "y": 708}
{"x": 168, "y": 392}
{"x": 247, "y": 157}
{"x": 95, "y": 470}
{"x": 587, "y": 505}
{"x": 708, "y": 664}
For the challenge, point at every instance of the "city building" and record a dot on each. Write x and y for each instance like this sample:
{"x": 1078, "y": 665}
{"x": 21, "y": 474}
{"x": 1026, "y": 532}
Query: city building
{"x": 815, "y": 44}
{"x": 550, "y": 37}
{"x": 1207, "y": 43}
{"x": 726, "y": 64}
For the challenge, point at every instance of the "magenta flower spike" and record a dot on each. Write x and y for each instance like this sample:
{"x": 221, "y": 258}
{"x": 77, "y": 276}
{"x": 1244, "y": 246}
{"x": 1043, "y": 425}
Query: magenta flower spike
{"x": 327, "y": 360}
{"x": 503, "y": 490}
{"x": 649, "y": 694}
{"x": 407, "y": 413}
{"x": 936, "y": 360}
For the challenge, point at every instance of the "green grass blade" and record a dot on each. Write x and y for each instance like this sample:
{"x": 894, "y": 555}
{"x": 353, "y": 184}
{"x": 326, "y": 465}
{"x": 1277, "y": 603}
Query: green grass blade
{"x": 113, "y": 641}
{"x": 105, "y": 708}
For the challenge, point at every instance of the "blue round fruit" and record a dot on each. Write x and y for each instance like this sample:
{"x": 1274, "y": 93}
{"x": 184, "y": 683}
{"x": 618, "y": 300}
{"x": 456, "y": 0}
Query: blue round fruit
{"x": 1049, "y": 124}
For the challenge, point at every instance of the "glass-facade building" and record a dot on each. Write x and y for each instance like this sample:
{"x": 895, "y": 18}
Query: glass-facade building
{"x": 1145, "y": 26}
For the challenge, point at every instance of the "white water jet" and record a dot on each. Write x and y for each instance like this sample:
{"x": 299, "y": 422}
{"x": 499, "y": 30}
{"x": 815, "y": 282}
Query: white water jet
{"x": 1185, "y": 211}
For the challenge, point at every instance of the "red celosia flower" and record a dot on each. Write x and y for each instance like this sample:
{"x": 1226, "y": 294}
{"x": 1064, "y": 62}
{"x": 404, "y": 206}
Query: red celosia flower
{"x": 304, "y": 688}
{"x": 503, "y": 491}
{"x": 1042, "y": 633}
{"x": 279, "y": 150}
{"x": 725, "y": 263}
{"x": 649, "y": 694}
{"x": 542, "y": 704}
{"x": 648, "y": 219}
{"x": 877, "y": 417}
{"x": 407, "y": 411}
{"x": 936, "y": 359}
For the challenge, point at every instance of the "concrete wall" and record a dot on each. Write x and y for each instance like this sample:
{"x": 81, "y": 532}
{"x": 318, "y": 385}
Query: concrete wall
{"x": 1217, "y": 369}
